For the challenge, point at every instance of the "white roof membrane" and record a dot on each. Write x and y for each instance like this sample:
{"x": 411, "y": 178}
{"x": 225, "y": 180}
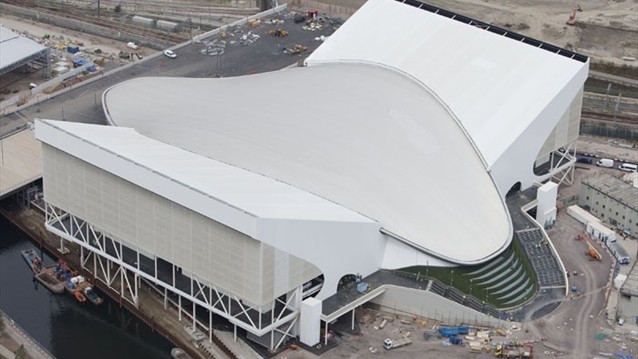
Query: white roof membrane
{"x": 472, "y": 70}
{"x": 257, "y": 195}
{"x": 365, "y": 137}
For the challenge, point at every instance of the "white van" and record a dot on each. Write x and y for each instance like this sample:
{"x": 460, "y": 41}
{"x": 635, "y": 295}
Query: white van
{"x": 628, "y": 167}
{"x": 605, "y": 162}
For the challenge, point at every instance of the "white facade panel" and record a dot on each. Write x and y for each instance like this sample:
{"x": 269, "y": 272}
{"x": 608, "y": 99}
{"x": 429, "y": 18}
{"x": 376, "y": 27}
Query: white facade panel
{"x": 546, "y": 208}
{"x": 140, "y": 219}
{"x": 310, "y": 319}
{"x": 507, "y": 94}
{"x": 335, "y": 248}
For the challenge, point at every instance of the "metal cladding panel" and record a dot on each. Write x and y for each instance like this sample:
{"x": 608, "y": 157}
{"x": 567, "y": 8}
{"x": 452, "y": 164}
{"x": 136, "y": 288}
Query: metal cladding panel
{"x": 566, "y": 130}
{"x": 53, "y": 170}
{"x": 141, "y": 219}
{"x": 516, "y": 164}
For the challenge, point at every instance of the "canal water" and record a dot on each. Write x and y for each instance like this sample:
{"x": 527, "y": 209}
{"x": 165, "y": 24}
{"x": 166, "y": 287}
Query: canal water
{"x": 66, "y": 328}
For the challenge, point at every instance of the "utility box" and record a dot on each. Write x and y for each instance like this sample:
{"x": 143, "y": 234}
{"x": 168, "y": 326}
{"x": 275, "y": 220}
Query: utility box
{"x": 310, "y": 321}
{"x": 546, "y": 208}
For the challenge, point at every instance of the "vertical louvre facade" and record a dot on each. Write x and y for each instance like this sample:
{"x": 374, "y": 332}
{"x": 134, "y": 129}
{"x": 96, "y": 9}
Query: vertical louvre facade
{"x": 143, "y": 220}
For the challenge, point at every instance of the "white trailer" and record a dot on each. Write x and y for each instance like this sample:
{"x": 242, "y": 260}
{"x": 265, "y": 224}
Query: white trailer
{"x": 581, "y": 215}
{"x": 600, "y": 232}
{"x": 619, "y": 252}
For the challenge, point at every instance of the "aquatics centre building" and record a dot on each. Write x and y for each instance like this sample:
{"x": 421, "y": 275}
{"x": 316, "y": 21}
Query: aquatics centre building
{"x": 387, "y": 149}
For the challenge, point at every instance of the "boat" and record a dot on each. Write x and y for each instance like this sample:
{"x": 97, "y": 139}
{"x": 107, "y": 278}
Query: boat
{"x": 82, "y": 290}
{"x": 92, "y": 296}
{"x": 45, "y": 275}
{"x": 79, "y": 296}
{"x": 33, "y": 260}
{"x": 178, "y": 353}
{"x": 48, "y": 278}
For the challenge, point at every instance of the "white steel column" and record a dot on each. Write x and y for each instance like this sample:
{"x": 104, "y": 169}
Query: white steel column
{"x": 194, "y": 324}
{"x": 210, "y": 325}
{"x": 353, "y": 319}
{"x": 165, "y": 299}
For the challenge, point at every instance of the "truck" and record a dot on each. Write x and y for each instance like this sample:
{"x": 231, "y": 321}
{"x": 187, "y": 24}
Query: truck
{"x": 389, "y": 344}
{"x": 503, "y": 351}
{"x": 605, "y": 162}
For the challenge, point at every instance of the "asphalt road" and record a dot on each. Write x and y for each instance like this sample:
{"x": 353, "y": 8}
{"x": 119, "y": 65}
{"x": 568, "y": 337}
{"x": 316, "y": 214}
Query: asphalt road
{"x": 247, "y": 50}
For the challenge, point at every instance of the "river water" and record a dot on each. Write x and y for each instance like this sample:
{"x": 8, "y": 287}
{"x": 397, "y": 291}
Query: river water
{"x": 66, "y": 328}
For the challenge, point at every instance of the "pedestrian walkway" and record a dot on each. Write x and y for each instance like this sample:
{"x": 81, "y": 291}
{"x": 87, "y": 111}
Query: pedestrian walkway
{"x": 32, "y": 347}
{"x": 238, "y": 347}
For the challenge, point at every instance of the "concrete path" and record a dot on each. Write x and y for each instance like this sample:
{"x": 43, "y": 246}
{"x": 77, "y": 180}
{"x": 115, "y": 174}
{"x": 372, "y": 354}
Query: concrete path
{"x": 33, "y": 348}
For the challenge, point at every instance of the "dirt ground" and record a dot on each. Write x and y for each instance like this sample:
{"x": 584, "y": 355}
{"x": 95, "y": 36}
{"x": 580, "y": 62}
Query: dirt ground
{"x": 606, "y": 30}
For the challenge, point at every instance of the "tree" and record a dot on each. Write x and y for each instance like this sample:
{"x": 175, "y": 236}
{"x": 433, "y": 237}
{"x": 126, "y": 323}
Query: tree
{"x": 1, "y": 322}
{"x": 21, "y": 353}
{"x": 118, "y": 8}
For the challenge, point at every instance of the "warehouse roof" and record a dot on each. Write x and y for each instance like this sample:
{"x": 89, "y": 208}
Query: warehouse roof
{"x": 15, "y": 48}
{"x": 365, "y": 137}
{"x": 471, "y": 66}
{"x": 615, "y": 188}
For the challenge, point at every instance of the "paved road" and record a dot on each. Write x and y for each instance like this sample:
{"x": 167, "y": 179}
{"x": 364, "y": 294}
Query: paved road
{"x": 613, "y": 78}
{"x": 35, "y": 350}
{"x": 247, "y": 50}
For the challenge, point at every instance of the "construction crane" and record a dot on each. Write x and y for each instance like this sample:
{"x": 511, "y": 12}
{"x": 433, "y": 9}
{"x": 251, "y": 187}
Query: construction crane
{"x": 592, "y": 252}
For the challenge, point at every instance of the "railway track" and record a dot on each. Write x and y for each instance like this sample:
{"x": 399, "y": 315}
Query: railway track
{"x": 619, "y": 118}
{"x": 74, "y": 13}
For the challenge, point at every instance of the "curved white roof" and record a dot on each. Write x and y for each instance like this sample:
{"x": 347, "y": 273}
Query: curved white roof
{"x": 365, "y": 137}
{"x": 497, "y": 85}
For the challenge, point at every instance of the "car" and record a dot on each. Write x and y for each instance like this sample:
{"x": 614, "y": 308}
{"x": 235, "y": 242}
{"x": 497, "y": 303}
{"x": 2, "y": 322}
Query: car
{"x": 169, "y": 53}
{"x": 133, "y": 45}
{"x": 583, "y": 159}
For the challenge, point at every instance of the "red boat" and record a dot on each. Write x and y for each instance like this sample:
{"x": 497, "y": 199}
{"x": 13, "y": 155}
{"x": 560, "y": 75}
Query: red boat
{"x": 79, "y": 296}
